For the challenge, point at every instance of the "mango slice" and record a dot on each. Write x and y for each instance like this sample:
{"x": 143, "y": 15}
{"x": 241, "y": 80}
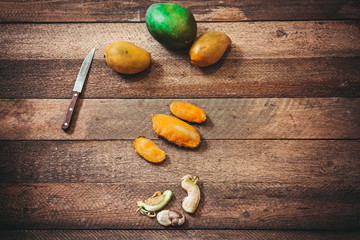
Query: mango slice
{"x": 175, "y": 130}
{"x": 187, "y": 111}
{"x": 149, "y": 150}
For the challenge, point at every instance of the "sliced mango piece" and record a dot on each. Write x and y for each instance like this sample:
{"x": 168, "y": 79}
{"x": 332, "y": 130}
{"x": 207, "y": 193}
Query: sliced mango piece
{"x": 149, "y": 150}
{"x": 187, "y": 111}
{"x": 175, "y": 130}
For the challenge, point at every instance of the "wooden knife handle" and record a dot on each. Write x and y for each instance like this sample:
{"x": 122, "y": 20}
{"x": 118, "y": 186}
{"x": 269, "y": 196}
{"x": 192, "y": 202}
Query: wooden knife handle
{"x": 71, "y": 110}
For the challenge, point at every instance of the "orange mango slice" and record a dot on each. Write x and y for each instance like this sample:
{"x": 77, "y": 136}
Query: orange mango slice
{"x": 187, "y": 111}
{"x": 149, "y": 150}
{"x": 175, "y": 130}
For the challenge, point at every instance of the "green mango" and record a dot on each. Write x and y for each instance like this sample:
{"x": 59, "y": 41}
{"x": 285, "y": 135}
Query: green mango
{"x": 171, "y": 24}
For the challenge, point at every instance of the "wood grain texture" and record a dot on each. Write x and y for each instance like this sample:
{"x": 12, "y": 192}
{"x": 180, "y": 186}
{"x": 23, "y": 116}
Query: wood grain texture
{"x": 134, "y": 11}
{"x": 218, "y": 161}
{"x": 284, "y": 157}
{"x": 176, "y": 234}
{"x": 262, "y": 118}
{"x": 222, "y": 206}
{"x": 301, "y": 77}
{"x": 279, "y": 59}
{"x": 250, "y": 40}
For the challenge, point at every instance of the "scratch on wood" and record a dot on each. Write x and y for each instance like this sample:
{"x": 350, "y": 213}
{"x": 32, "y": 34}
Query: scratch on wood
{"x": 281, "y": 33}
{"x": 344, "y": 84}
{"x": 136, "y": 17}
{"x": 292, "y": 119}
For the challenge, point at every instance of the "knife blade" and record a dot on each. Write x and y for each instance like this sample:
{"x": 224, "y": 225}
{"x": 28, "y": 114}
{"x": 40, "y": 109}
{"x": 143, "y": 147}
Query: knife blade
{"x": 80, "y": 80}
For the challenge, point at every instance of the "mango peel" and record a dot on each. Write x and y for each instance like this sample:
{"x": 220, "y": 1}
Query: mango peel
{"x": 155, "y": 203}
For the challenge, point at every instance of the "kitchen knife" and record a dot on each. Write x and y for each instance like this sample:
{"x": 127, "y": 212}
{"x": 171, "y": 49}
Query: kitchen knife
{"x": 80, "y": 80}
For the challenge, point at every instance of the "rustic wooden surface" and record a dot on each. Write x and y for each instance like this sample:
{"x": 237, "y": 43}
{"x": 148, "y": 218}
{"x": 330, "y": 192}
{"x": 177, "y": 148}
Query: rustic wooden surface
{"x": 280, "y": 149}
{"x": 134, "y": 11}
{"x": 256, "y": 118}
{"x": 176, "y": 234}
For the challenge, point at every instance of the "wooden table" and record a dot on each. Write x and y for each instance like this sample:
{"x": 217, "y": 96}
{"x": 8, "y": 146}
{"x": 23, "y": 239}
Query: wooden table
{"x": 280, "y": 149}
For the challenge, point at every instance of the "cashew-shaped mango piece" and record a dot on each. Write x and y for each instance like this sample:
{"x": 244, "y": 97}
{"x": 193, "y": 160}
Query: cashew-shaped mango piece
{"x": 191, "y": 202}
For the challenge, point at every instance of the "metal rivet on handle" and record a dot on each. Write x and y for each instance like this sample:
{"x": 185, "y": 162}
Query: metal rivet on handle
{"x": 70, "y": 109}
{"x": 65, "y": 124}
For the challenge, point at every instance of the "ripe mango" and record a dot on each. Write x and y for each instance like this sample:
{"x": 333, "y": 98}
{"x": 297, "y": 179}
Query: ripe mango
{"x": 127, "y": 58}
{"x": 209, "y": 48}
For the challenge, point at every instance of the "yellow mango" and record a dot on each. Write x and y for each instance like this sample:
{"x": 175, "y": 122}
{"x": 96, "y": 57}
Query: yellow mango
{"x": 209, "y": 48}
{"x": 127, "y": 58}
{"x": 187, "y": 111}
{"x": 149, "y": 150}
{"x": 175, "y": 130}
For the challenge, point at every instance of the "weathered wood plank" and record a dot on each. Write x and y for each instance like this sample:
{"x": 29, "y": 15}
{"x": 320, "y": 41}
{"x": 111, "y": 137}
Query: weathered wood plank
{"x": 227, "y": 161}
{"x": 176, "y": 234}
{"x": 266, "y": 59}
{"x": 259, "y": 118}
{"x": 260, "y": 40}
{"x": 134, "y": 11}
{"x": 230, "y": 206}
{"x": 296, "y": 77}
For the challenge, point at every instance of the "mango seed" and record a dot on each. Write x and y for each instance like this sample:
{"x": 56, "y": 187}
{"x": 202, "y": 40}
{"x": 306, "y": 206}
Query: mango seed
{"x": 170, "y": 217}
{"x": 191, "y": 202}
